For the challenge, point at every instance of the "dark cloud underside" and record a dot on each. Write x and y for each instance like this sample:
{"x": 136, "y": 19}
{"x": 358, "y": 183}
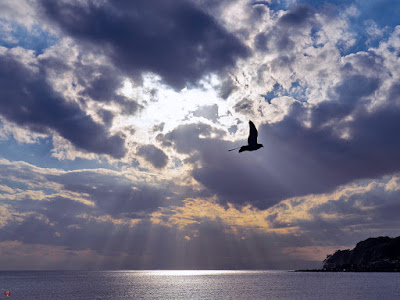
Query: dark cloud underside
{"x": 155, "y": 156}
{"x": 27, "y": 99}
{"x": 172, "y": 38}
{"x": 101, "y": 83}
{"x": 298, "y": 159}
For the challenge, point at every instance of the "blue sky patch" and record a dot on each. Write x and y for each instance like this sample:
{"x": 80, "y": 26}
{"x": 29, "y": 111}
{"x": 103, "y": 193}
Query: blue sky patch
{"x": 296, "y": 91}
{"x": 15, "y": 35}
{"x": 374, "y": 22}
{"x": 39, "y": 154}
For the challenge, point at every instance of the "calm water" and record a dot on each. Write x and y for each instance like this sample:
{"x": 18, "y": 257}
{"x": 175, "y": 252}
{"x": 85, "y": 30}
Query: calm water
{"x": 198, "y": 285}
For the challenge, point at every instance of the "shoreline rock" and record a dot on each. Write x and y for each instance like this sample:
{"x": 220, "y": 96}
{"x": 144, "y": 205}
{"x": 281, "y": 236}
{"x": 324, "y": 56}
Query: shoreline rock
{"x": 380, "y": 254}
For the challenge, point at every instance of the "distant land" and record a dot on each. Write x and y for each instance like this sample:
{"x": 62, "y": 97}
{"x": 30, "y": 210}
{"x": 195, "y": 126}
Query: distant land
{"x": 380, "y": 254}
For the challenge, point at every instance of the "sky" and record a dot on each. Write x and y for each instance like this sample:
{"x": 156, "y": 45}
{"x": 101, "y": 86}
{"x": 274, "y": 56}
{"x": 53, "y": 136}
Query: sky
{"x": 116, "y": 118}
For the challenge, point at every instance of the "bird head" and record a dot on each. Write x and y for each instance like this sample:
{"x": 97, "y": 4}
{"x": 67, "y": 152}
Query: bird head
{"x": 260, "y": 146}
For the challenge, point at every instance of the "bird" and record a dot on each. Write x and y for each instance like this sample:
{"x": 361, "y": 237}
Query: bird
{"x": 252, "y": 140}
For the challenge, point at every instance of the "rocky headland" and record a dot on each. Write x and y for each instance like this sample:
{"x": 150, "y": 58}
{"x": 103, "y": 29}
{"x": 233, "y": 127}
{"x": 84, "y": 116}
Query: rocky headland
{"x": 380, "y": 254}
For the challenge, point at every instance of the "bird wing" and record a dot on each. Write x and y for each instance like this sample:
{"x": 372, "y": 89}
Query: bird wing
{"x": 253, "y": 134}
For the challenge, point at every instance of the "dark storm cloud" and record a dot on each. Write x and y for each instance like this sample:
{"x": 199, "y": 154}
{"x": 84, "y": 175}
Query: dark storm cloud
{"x": 298, "y": 17}
{"x": 154, "y": 156}
{"x": 107, "y": 116}
{"x": 27, "y": 99}
{"x": 346, "y": 97}
{"x": 298, "y": 159}
{"x": 97, "y": 82}
{"x": 101, "y": 83}
{"x": 172, "y": 38}
{"x": 395, "y": 93}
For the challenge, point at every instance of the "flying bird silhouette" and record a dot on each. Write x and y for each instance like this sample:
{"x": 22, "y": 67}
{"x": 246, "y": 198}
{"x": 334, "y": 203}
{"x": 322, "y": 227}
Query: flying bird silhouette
{"x": 252, "y": 140}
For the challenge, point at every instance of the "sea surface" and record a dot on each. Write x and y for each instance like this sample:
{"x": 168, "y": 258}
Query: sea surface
{"x": 197, "y": 285}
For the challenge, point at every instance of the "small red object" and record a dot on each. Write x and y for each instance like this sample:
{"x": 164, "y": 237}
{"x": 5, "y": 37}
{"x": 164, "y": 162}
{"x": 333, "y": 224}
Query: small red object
{"x": 7, "y": 293}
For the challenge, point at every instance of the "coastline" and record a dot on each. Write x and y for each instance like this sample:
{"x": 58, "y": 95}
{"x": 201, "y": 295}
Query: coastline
{"x": 349, "y": 271}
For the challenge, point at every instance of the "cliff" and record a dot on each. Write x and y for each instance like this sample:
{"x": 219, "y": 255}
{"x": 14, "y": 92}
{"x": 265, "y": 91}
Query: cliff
{"x": 381, "y": 254}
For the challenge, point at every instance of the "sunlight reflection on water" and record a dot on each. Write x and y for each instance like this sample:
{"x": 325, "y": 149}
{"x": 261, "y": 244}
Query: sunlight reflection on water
{"x": 198, "y": 284}
{"x": 191, "y": 272}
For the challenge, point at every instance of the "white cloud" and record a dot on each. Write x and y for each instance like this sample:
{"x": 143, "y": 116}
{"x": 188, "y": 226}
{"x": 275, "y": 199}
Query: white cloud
{"x": 19, "y": 11}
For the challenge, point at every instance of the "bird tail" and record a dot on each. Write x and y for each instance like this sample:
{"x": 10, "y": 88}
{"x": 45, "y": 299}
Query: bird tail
{"x": 234, "y": 149}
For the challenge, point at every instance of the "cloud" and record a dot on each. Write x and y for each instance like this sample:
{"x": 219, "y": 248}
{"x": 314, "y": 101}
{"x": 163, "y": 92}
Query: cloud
{"x": 114, "y": 225}
{"x": 328, "y": 122}
{"x": 298, "y": 17}
{"x": 350, "y": 214}
{"x": 16, "y": 255}
{"x": 20, "y": 11}
{"x": 200, "y": 234}
{"x": 314, "y": 149}
{"x": 102, "y": 83}
{"x": 209, "y": 112}
{"x": 174, "y": 39}
{"x": 100, "y": 191}
{"x": 39, "y": 107}
{"x": 186, "y": 138}
{"x": 154, "y": 155}
{"x": 212, "y": 245}
{"x": 288, "y": 29}
{"x": 299, "y": 225}
{"x": 115, "y": 195}
{"x": 299, "y": 160}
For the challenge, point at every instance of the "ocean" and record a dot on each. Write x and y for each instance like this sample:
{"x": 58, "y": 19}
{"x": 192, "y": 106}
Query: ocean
{"x": 197, "y": 285}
